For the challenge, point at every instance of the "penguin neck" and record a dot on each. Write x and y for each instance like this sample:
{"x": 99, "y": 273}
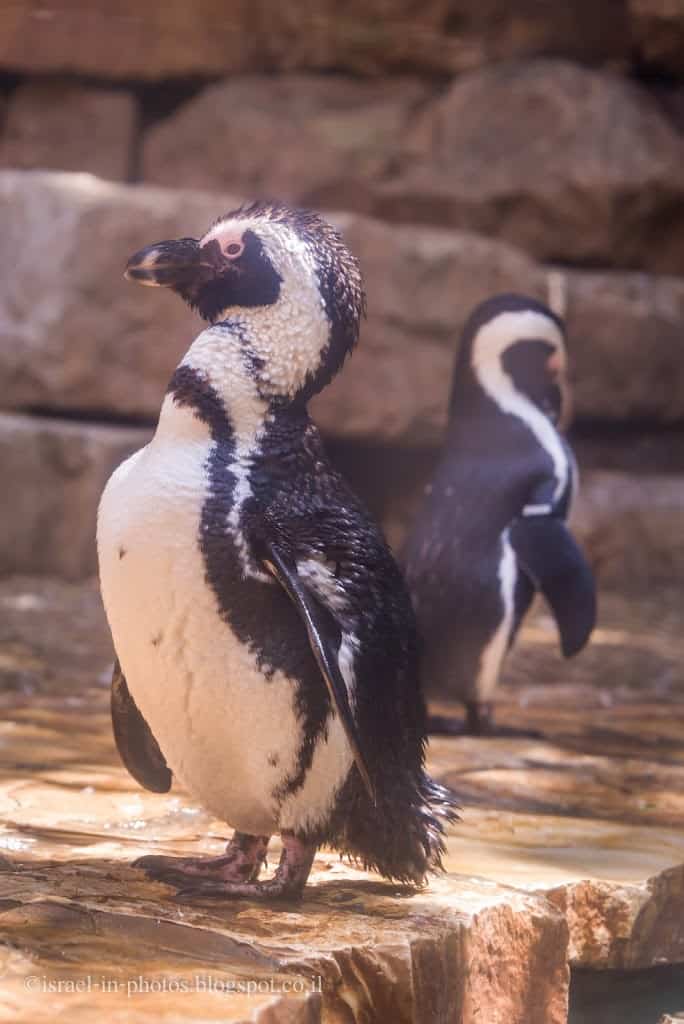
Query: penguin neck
{"x": 491, "y": 379}
{"x": 216, "y": 389}
{"x": 485, "y": 393}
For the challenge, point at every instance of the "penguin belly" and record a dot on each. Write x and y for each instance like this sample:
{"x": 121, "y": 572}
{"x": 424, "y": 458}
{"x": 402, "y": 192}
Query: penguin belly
{"x": 229, "y": 733}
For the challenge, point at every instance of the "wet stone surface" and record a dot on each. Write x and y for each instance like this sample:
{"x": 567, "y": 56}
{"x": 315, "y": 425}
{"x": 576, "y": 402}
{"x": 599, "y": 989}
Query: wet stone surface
{"x": 570, "y": 851}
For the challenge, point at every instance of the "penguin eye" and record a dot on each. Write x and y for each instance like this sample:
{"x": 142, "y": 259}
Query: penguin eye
{"x": 234, "y": 249}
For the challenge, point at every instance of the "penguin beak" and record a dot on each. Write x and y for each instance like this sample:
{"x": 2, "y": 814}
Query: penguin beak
{"x": 165, "y": 264}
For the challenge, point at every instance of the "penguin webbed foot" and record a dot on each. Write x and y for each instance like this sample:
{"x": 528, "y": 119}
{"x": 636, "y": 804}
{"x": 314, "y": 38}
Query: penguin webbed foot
{"x": 479, "y": 721}
{"x": 287, "y": 884}
{"x": 241, "y": 863}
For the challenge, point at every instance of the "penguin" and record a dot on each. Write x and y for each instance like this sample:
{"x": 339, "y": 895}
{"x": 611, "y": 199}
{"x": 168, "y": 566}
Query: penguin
{"x": 492, "y": 530}
{"x": 267, "y": 652}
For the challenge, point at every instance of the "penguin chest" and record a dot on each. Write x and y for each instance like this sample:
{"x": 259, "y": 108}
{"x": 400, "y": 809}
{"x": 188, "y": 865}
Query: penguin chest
{"x": 228, "y": 731}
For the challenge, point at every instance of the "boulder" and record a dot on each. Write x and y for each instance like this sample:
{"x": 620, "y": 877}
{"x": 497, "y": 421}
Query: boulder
{"x": 66, "y": 126}
{"x": 422, "y": 284}
{"x": 314, "y": 140}
{"x": 573, "y": 165}
{"x": 208, "y": 38}
{"x": 625, "y": 344}
{"x": 630, "y": 523}
{"x": 55, "y": 472}
{"x": 632, "y": 526}
{"x": 76, "y": 337}
{"x": 624, "y": 333}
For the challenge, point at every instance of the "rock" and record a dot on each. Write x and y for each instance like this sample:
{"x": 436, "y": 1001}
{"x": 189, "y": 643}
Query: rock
{"x": 313, "y": 140}
{"x": 56, "y": 471}
{"x": 581, "y": 184}
{"x": 76, "y": 336}
{"x": 582, "y": 187}
{"x": 422, "y": 285}
{"x": 632, "y": 526}
{"x": 616, "y": 322}
{"x": 658, "y": 32}
{"x": 624, "y": 926}
{"x": 570, "y": 851}
{"x": 70, "y": 127}
{"x": 207, "y": 39}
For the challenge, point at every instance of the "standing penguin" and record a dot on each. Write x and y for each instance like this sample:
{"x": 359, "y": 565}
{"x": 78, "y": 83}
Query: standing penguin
{"x": 493, "y": 528}
{"x": 266, "y": 644}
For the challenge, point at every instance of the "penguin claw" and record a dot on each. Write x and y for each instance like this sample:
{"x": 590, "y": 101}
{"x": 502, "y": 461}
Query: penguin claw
{"x": 287, "y": 884}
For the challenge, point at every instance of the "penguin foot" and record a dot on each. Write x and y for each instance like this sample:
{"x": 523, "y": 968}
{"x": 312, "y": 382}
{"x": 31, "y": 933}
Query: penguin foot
{"x": 241, "y": 863}
{"x": 287, "y": 884}
{"x": 479, "y": 721}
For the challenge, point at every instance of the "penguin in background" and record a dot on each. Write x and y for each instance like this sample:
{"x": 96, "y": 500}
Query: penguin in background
{"x": 492, "y": 530}
{"x": 267, "y": 647}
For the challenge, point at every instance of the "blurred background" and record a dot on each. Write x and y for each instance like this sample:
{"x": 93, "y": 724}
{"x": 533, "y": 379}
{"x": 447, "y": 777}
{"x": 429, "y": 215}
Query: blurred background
{"x": 462, "y": 147}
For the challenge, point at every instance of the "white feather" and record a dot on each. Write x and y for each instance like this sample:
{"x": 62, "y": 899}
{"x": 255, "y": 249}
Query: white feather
{"x": 495, "y": 650}
{"x": 489, "y": 344}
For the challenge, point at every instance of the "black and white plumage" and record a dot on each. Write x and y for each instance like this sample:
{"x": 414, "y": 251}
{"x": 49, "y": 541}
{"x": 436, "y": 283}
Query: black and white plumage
{"x": 493, "y": 530}
{"x": 265, "y": 636}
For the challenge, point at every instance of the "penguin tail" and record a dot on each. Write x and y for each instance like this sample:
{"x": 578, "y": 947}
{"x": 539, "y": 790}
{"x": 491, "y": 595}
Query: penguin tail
{"x": 438, "y": 811}
{"x": 403, "y": 835}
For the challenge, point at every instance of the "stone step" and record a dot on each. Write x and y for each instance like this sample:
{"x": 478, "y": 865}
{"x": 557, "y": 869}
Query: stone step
{"x": 154, "y": 41}
{"x": 54, "y": 472}
{"x": 77, "y": 337}
{"x": 569, "y": 853}
{"x": 580, "y": 186}
{"x": 159, "y": 41}
{"x": 68, "y": 126}
{"x": 631, "y": 523}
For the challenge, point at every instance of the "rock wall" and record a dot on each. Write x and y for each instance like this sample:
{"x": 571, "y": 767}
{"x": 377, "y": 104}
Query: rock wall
{"x": 462, "y": 149}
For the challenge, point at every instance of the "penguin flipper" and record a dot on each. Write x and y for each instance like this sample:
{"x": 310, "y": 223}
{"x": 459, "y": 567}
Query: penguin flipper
{"x": 551, "y": 557}
{"x": 323, "y": 651}
{"x": 137, "y": 746}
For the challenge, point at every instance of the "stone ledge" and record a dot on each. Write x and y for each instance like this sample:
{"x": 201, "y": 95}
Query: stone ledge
{"x": 582, "y": 187}
{"x": 77, "y": 337}
{"x": 631, "y": 524}
{"x": 57, "y": 470}
{"x": 155, "y": 41}
{"x": 539, "y": 876}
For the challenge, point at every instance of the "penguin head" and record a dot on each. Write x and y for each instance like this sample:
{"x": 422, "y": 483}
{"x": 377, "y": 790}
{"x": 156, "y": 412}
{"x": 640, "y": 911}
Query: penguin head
{"x": 283, "y": 277}
{"x": 514, "y": 346}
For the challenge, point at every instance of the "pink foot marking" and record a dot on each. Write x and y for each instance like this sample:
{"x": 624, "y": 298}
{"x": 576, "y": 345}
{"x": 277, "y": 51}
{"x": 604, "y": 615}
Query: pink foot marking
{"x": 287, "y": 884}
